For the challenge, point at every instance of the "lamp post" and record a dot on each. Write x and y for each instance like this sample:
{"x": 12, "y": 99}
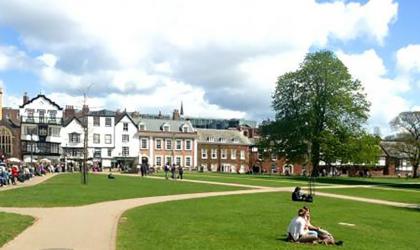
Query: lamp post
{"x": 32, "y": 150}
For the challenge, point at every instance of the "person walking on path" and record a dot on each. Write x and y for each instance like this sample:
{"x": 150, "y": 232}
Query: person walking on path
{"x": 180, "y": 172}
{"x": 173, "y": 168}
{"x": 166, "y": 169}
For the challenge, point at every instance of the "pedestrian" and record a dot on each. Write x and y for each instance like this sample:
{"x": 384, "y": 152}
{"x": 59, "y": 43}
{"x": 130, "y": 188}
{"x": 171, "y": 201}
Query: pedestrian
{"x": 173, "y": 168}
{"x": 166, "y": 169}
{"x": 180, "y": 172}
{"x": 143, "y": 169}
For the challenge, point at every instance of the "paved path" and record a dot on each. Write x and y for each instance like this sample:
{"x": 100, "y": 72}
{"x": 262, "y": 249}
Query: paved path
{"x": 94, "y": 226}
{"x": 33, "y": 181}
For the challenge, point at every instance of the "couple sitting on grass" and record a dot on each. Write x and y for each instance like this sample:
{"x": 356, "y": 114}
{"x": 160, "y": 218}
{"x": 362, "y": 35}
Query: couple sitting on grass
{"x": 302, "y": 231}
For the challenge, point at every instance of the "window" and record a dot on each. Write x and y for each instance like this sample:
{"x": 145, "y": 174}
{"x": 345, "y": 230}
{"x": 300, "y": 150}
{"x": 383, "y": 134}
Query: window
{"x": 41, "y": 113}
{"x": 97, "y": 153}
{"x": 55, "y": 148}
{"x": 178, "y": 160}
{"x": 168, "y": 144}
{"x": 158, "y": 143}
{"x": 53, "y": 115}
{"x": 210, "y": 139}
{"x": 96, "y": 138}
{"x": 158, "y": 161}
{"x": 109, "y": 152}
{"x": 43, "y": 131}
{"x": 178, "y": 144}
{"x": 242, "y": 154}
{"x": 6, "y": 141}
{"x": 166, "y": 127}
{"x": 125, "y": 138}
{"x": 96, "y": 121}
{"x": 188, "y": 161}
{"x": 74, "y": 138}
{"x": 214, "y": 153}
{"x": 31, "y": 130}
{"x": 108, "y": 139}
{"x": 169, "y": 160}
{"x": 142, "y": 126}
{"x": 223, "y": 153}
{"x": 125, "y": 126}
{"x": 125, "y": 151}
{"x": 223, "y": 140}
{"x": 187, "y": 144}
{"x": 233, "y": 154}
{"x": 143, "y": 144}
{"x": 108, "y": 122}
{"x": 30, "y": 113}
{"x": 185, "y": 129}
{"x": 235, "y": 140}
{"x": 203, "y": 153}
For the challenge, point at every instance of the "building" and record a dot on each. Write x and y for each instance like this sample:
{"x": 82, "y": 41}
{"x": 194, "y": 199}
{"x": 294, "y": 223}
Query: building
{"x": 127, "y": 143}
{"x": 72, "y": 144}
{"x": 223, "y": 151}
{"x": 41, "y": 123}
{"x": 101, "y": 137}
{"x": 167, "y": 141}
{"x": 213, "y": 123}
{"x": 10, "y": 146}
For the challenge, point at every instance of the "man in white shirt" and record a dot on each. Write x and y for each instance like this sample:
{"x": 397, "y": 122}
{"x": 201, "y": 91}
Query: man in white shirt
{"x": 298, "y": 231}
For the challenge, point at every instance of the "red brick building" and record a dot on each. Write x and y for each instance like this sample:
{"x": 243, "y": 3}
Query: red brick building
{"x": 10, "y": 146}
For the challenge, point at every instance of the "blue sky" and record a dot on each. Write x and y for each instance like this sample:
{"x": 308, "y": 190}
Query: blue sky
{"x": 152, "y": 57}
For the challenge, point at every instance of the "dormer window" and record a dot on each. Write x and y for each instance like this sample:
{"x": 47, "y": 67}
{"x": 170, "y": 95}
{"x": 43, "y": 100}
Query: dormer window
{"x": 142, "y": 126}
{"x": 235, "y": 140}
{"x": 221, "y": 139}
{"x": 185, "y": 129}
{"x": 166, "y": 127}
{"x": 210, "y": 139}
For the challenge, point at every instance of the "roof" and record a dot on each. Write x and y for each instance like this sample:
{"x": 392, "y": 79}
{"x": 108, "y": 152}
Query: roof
{"x": 68, "y": 121}
{"x": 157, "y": 124}
{"x": 230, "y": 136}
{"x": 46, "y": 98}
{"x": 119, "y": 117}
{"x": 102, "y": 113}
{"x": 391, "y": 149}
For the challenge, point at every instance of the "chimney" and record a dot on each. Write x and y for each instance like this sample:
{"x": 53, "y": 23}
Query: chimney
{"x": 176, "y": 115}
{"x": 1, "y": 103}
{"x": 85, "y": 109}
{"x": 69, "y": 111}
{"x": 25, "y": 98}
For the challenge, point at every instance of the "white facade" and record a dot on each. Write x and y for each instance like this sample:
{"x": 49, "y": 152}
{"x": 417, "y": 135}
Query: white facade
{"x": 127, "y": 142}
{"x": 72, "y": 135}
{"x": 101, "y": 137}
{"x": 41, "y": 124}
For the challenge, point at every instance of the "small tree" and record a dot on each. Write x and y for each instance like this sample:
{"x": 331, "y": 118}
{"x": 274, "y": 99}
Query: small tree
{"x": 408, "y": 139}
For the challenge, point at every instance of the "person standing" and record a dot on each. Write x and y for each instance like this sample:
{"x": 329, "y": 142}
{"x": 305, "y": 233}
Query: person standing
{"x": 180, "y": 172}
{"x": 173, "y": 168}
{"x": 166, "y": 169}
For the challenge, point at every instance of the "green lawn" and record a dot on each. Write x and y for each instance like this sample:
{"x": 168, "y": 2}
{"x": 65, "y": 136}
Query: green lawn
{"x": 259, "y": 221}
{"x": 407, "y": 196}
{"x": 67, "y": 190}
{"x": 11, "y": 225}
{"x": 255, "y": 180}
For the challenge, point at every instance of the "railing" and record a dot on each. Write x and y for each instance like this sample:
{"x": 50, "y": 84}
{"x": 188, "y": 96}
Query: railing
{"x": 41, "y": 120}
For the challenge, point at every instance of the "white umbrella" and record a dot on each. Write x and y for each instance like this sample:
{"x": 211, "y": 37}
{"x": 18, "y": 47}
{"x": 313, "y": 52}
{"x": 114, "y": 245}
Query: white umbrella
{"x": 14, "y": 160}
{"x": 45, "y": 160}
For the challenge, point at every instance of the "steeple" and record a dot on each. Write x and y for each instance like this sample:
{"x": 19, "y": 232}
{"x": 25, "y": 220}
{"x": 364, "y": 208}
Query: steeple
{"x": 182, "y": 109}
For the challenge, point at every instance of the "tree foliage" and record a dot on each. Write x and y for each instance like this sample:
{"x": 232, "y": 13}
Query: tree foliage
{"x": 320, "y": 110}
{"x": 408, "y": 126}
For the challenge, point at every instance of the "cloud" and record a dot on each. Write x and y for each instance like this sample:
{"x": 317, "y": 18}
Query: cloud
{"x": 221, "y": 58}
{"x": 408, "y": 58}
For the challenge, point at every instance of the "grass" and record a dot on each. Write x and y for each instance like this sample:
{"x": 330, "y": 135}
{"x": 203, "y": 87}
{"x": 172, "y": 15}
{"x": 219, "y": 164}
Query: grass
{"x": 254, "y": 180}
{"x": 259, "y": 221}
{"x": 67, "y": 190}
{"x": 407, "y": 196}
{"x": 11, "y": 225}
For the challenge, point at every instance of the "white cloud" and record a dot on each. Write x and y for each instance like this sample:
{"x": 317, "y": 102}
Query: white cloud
{"x": 408, "y": 58}
{"x": 220, "y": 57}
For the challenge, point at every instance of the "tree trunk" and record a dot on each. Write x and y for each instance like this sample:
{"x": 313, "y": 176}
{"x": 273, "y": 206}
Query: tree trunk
{"x": 315, "y": 159}
{"x": 415, "y": 168}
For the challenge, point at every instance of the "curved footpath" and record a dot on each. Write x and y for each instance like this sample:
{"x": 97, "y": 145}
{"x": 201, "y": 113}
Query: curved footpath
{"x": 95, "y": 226}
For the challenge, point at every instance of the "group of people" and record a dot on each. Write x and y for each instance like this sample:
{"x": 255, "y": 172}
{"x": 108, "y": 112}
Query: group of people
{"x": 173, "y": 169}
{"x": 301, "y": 230}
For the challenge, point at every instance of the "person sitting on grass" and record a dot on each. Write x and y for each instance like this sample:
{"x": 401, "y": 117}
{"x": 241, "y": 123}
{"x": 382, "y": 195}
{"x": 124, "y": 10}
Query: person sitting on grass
{"x": 297, "y": 230}
{"x": 323, "y": 235}
{"x": 297, "y": 195}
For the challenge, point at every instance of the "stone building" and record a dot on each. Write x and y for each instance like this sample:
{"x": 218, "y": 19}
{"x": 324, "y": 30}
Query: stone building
{"x": 223, "y": 151}
{"x": 10, "y": 146}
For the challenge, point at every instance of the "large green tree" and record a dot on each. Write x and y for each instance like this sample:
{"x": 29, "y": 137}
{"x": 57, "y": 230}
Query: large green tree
{"x": 320, "y": 111}
{"x": 408, "y": 139}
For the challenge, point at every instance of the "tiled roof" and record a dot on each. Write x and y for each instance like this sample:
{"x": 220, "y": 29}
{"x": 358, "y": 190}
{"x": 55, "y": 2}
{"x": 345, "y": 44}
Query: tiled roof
{"x": 391, "y": 149}
{"x": 222, "y": 136}
{"x": 157, "y": 124}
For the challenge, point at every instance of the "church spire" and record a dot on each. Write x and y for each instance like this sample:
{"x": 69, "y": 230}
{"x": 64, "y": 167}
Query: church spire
{"x": 182, "y": 109}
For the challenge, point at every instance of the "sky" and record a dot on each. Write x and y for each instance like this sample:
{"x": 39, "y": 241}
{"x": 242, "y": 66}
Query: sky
{"x": 220, "y": 58}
